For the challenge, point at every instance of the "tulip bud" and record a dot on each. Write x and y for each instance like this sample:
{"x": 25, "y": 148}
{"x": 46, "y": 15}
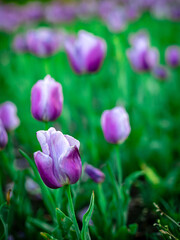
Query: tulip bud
{"x": 86, "y": 53}
{"x": 42, "y": 42}
{"x": 94, "y": 173}
{"x": 8, "y": 116}
{"x": 46, "y": 99}
{"x": 115, "y": 125}
{"x": 160, "y": 72}
{"x": 59, "y": 163}
{"x": 141, "y": 56}
{"x": 3, "y": 136}
{"x": 173, "y": 56}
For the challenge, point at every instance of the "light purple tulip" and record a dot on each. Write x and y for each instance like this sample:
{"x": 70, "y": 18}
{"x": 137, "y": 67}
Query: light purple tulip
{"x": 3, "y": 136}
{"x": 42, "y": 42}
{"x": 160, "y": 72}
{"x": 8, "y": 116}
{"x": 115, "y": 125}
{"x": 173, "y": 56}
{"x": 46, "y": 99}
{"x": 59, "y": 163}
{"x": 141, "y": 56}
{"x": 94, "y": 173}
{"x": 86, "y": 52}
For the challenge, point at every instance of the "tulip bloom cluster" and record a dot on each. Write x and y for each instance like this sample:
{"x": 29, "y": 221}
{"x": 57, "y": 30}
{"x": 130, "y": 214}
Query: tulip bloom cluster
{"x": 8, "y": 121}
{"x": 86, "y": 52}
{"x": 141, "y": 56}
{"x": 173, "y": 56}
{"x": 59, "y": 163}
{"x": 46, "y": 99}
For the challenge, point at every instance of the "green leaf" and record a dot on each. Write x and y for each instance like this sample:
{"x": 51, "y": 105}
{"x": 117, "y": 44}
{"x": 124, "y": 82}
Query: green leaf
{"x": 126, "y": 232}
{"x": 64, "y": 222}
{"x": 47, "y": 236}
{"x": 40, "y": 224}
{"x": 133, "y": 228}
{"x": 130, "y": 180}
{"x": 86, "y": 218}
{"x": 4, "y": 212}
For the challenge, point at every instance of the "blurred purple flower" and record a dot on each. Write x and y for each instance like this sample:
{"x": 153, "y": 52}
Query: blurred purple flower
{"x": 46, "y": 99}
{"x": 172, "y": 55}
{"x": 115, "y": 125}
{"x": 141, "y": 56}
{"x": 86, "y": 52}
{"x": 32, "y": 11}
{"x": 3, "y": 136}
{"x": 33, "y": 188}
{"x": 94, "y": 173}
{"x": 8, "y": 115}
{"x": 160, "y": 72}
{"x": 59, "y": 163}
{"x": 56, "y": 12}
{"x": 42, "y": 42}
{"x": 20, "y": 44}
{"x": 81, "y": 214}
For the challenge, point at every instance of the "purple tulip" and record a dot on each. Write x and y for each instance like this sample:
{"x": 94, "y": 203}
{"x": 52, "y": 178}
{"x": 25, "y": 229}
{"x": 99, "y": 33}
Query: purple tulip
{"x": 59, "y": 163}
{"x": 32, "y": 11}
{"x": 20, "y": 44}
{"x": 94, "y": 173}
{"x": 160, "y": 72}
{"x": 3, "y": 136}
{"x": 86, "y": 53}
{"x": 42, "y": 42}
{"x": 46, "y": 99}
{"x": 141, "y": 56}
{"x": 115, "y": 125}
{"x": 8, "y": 116}
{"x": 173, "y": 56}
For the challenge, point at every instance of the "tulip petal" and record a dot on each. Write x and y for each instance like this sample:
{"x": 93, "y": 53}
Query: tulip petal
{"x": 71, "y": 165}
{"x": 72, "y": 141}
{"x": 45, "y": 167}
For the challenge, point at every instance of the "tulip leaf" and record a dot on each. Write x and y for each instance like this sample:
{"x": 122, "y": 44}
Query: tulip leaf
{"x": 130, "y": 180}
{"x": 86, "y": 218}
{"x": 47, "y": 236}
{"x": 4, "y": 212}
{"x": 125, "y": 232}
{"x": 40, "y": 224}
{"x": 64, "y": 222}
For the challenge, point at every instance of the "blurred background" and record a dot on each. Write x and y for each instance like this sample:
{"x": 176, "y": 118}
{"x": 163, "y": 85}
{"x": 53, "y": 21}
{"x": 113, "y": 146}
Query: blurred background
{"x": 150, "y": 95}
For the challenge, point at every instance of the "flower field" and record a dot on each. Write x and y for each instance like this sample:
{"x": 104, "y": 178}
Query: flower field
{"x": 90, "y": 120}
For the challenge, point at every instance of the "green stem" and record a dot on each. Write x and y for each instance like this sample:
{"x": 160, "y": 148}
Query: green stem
{"x": 118, "y": 163}
{"x": 46, "y": 126}
{"x": 101, "y": 199}
{"x": 72, "y": 212}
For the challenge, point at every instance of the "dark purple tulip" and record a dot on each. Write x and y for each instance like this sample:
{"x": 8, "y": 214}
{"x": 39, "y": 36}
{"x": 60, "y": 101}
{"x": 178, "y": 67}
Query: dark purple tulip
{"x": 3, "y": 136}
{"x": 20, "y": 44}
{"x": 160, "y": 72}
{"x": 94, "y": 173}
{"x": 86, "y": 52}
{"x": 59, "y": 163}
{"x": 141, "y": 56}
{"x": 46, "y": 99}
{"x": 8, "y": 115}
{"x": 115, "y": 125}
{"x": 42, "y": 42}
{"x": 173, "y": 56}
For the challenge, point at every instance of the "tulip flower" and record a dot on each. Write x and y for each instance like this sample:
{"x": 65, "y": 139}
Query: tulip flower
{"x": 160, "y": 72}
{"x": 141, "y": 56}
{"x": 8, "y": 116}
{"x": 86, "y": 52}
{"x": 3, "y": 136}
{"x": 94, "y": 173}
{"x": 115, "y": 125}
{"x": 173, "y": 56}
{"x": 59, "y": 163}
{"x": 42, "y": 42}
{"x": 46, "y": 99}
